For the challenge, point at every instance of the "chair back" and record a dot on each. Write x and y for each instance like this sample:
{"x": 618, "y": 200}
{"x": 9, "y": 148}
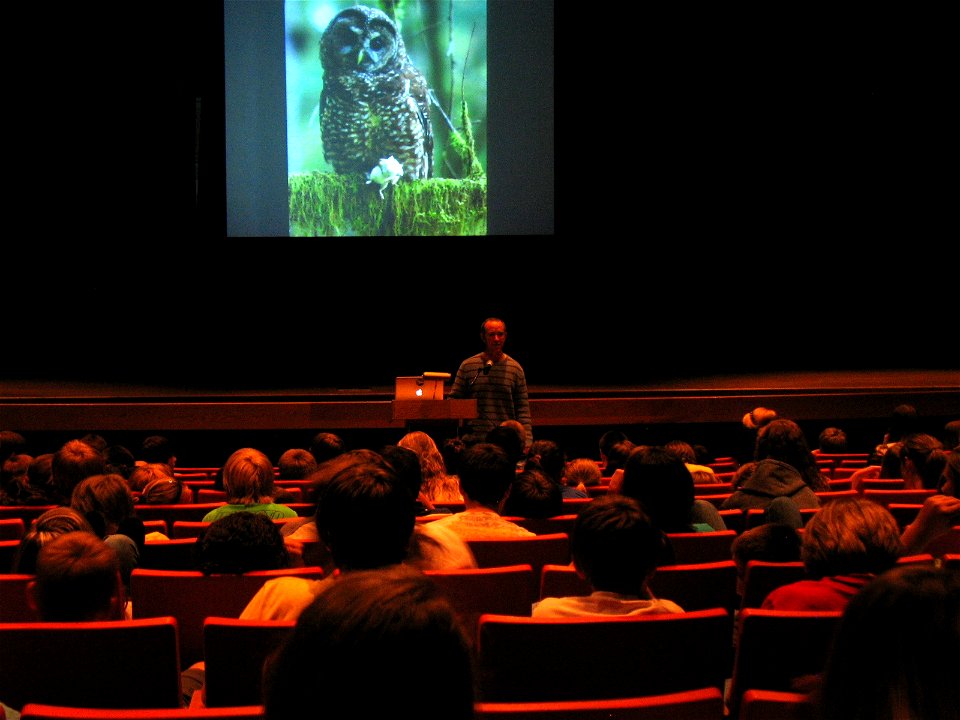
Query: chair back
{"x": 127, "y": 663}
{"x": 12, "y": 528}
{"x": 510, "y": 590}
{"x": 58, "y": 712}
{"x": 174, "y": 554}
{"x": 774, "y": 647}
{"x": 698, "y": 586}
{"x": 234, "y": 653}
{"x": 761, "y": 578}
{"x": 535, "y": 550}
{"x": 8, "y": 551}
{"x": 562, "y": 581}
{"x": 885, "y": 497}
{"x": 548, "y": 526}
{"x": 702, "y": 704}
{"x": 522, "y": 659}
{"x": 776, "y": 705}
{"x": 13, "y": 598}
{"x": 702, "y": 547}
{"x": 191, "y": 597}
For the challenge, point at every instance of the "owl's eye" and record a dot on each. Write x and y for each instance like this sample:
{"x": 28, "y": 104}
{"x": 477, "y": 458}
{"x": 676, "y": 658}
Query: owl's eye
{"x": 377, "y": 43}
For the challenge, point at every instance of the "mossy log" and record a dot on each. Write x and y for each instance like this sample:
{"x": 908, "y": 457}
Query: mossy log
{"x": 325, "y": 204}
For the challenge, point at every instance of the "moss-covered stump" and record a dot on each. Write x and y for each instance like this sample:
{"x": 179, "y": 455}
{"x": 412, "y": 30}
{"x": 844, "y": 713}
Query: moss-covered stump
{"x": 328, "y": 204}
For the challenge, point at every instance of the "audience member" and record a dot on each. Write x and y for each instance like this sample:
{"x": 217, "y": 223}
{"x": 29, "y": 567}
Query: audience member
{"x": 615, "y": 548}
{"x": 119, "y": 461}
{"x": 12, "y": 443}
{"x": 752, "y": 422}
{"x": 845, "y": 545}
{"x": 155, "y": 484}
{"x": 549, "y": 458}
{"x": 248, "y": 477}
{"x": 326, "y": 445}
{"x": 582, "y": 473}
{"x": 498, "y": 383}
{"x": 97, "y": 442}
{"x": 758, "y": 484}
{"x": 389, "y": 624}
{"x": 296, "y": 464}
{"x": 831, "y": 441}
{"x": 533, "y": 495}
{"x": 951, "y": 435}
{"x": 15, "y": 487}
{"x": 50, "y": 524}
{"x": 937, "y": 516}
{"x": 40, "y": 475}
{"x": 896, "y": 654}
{"x": 685, "y": 452}
{"x": 451, "y": 449}
{"x": 107, "y": 504}
{"x": 921, "y": 460}
{"x": 439, "y": 486}
{"x": 77, "y": 580}
{"x": 74, "y": 462}
{"x": 406, "y": 463}
{"x": 615, "y": 457}
{"x": 241, "y": 543}
{"x": 158, "y": 449}
{"x": 664, "y": 488}
{"x": 507, "y": 438}
{"x": 769, "y": 542}
{"x": 904, "y": 421}
{"x": 486, "y": 473}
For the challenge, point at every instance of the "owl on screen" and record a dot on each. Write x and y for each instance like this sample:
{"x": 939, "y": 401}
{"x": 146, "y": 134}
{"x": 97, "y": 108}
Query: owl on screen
{"x": 374, "y": 104}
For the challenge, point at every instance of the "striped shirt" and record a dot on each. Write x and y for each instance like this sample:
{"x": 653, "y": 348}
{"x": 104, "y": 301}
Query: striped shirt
{"x": 501, "y": 394}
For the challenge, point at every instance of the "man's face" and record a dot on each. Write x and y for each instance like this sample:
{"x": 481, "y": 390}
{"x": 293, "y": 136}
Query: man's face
{"x": 494, "y": 336}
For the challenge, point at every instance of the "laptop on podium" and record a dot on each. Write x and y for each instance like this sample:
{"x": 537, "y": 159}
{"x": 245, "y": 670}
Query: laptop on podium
{"x": 428, "y": 386}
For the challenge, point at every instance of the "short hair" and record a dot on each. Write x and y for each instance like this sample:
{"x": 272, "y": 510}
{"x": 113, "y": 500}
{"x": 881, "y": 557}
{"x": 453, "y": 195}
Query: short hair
{"x": 11, "y": 443}
{"x": 508, "y": 439}
{"x": 483, "y": 325}
{"x": 615, "y": 545}
{"x": 486, "y": 472}
{"x": 365, "y": 516}
{"x": 143, "y": 475}
{"x": 296, "y": 464}
{"x": 157, "y": 449}
{"x": 77, "y": 579}
{"x": 662, "y": 484}
{"x": 611, "y": 438}
{"x": 406, "y": 463}
{"x": 240, "y": 543}
{"x": 850, "y": 535}
{"x": 583, "y": 471}
{"x": 329, "y": 468}
{"x": 832, "y": 440}
{"x": 391, "y": 624}
{"x": 533, "y": 495}
{"x": 770, "y": 542}
{"x": 248, "y": 477}
{"x": 895, "y": 651}
{"x": 50, "y": 524}
{"x": 119, "y": 460}
{"x": 73, "y": 462}
{"x": 326, "y": 445}
{"x": 104, "y": 500}
{"x": 682, "y": 450}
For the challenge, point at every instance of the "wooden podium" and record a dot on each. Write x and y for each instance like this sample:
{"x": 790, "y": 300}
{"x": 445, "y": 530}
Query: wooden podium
{"x": 429, "y": 411}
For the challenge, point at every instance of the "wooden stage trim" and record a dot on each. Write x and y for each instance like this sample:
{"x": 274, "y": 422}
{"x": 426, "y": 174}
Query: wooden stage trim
{"x": 660, "y": 406}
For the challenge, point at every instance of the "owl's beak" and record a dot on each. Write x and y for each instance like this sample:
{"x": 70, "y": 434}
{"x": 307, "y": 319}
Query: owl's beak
{"x": 360, "y": 56}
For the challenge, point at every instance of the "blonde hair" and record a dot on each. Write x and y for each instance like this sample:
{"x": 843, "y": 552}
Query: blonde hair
{"x": 582, "y": 471}
{"x": 437, "y": 486}
{"x": 850, "y": 535}
{"x": 248, "y": 477}
{"x": 143, "y": 475}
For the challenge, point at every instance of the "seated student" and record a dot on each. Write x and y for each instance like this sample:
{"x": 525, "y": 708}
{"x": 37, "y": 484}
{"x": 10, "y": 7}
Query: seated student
{"x": 847, "y": 543}
{"x": 533, "y": 495}
{"x": 248, "y": 477}
{"x": 939, "y": 513}
{"x": 77, "y": 580}
{"x": 296, "y": 464}
{"x": 52, "y": 523}
{"x": 366, "y": 646}
{"x": 615, "y": 548}
{"x": 240, "y": 543}
{"x": 831, "y": 441}
{"x": 548, "y": 457}
{"x": 897, "y": 650}
{"x": 155, "y": 484}
{"x": 486, "y": 472}
{"x": 769, "y": 542}
{"x": 582, "y": 473}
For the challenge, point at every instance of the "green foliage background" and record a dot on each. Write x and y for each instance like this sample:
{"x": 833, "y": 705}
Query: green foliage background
{"x": 453, "y": 56}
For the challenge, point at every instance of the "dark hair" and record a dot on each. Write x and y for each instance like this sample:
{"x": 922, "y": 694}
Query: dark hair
{"x": 486, "y": 473}
{"x": 832, "y": 440}
{"x": 927, "y": 455}
{"x": 77, "y": 577}
{"x": 551, "y": 458}
{"x": 663, "y": 486}
{"x": 896, "y": 648}
{"x": 326, "y": 445}
{"x": 682, "y": 450}
{"x": 506, "y": 438}
{"x": 73, "y": 462}
{"x": 391, "y": 625}
{"x": 296, "y": 464}
{"x": 533, "y": 495}
{"x": 365, "y": 516}
{"x": 239, "y": 543}
{"x": 406, "y": 463}
{"x": 119, "y": 460}
{"x": 782, "y": 439}
{"x": 615, "y": 545}
{"x": 157, "y": 449}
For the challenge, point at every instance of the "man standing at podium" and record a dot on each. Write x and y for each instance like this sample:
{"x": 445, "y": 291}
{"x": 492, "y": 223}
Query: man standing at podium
{"x": 498, "y": 383}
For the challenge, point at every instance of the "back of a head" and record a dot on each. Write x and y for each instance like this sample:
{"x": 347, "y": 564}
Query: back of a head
{"x": 11, "y": 443}
{"x": 926, "y": 455}
{"x": 582, "y": 471}
{"x": 904, "y": 421}
{"x": 533, "y": 495}
{"x": 105, "y": 500}
{"x": 427, "y": 452}
{"x": 119, "y": 460}
{"x": 326, "y": 445}
{"x": 50, "y": 524}
{"x": 832, "y": 440}
{"x": 551, "y": 458}
{"x": 682, "y": 450}
{"x": 74, "y": 462}
{"x": 849, "y": 536}
{"x": 406, "y": 463}
{"x": 782, "y": 440}
{"x": 486, "y": 472}
{"x": 374, "y": 637}
{"x": 615, "y": 545}
{"x": 758, "y": 417}
{"x": 239, "y": 543}
{"x": 897, "y": 649}
{"x": 609, "y": 439}
{"x": 143, "y": 475}
{"x": 662, "y": 484}
{"x": 329, "y": 468}
{"x": 77, "y": 579}
{"x": 451, "y": 450}
{"x": 507, "y": 439}
{"x": 157, "y": 449}
{"x": 248, "y": 477}
{"x": 365, "y": 516}
{"x": 296, "y": 464}
{"x": 770, "y": 542}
